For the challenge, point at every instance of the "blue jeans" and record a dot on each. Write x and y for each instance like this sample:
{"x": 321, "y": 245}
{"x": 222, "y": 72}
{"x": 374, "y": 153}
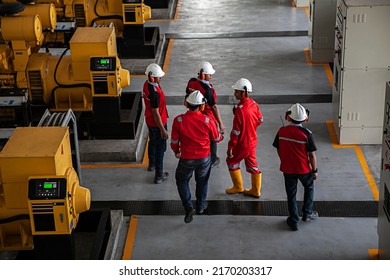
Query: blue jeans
{"x": 291, "y": 182}
{"x": 156, "y": 149}
{"x": 184, "y": 171}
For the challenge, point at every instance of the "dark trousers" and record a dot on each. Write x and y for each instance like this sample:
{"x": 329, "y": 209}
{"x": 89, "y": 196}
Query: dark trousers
{"x": 156, "y": 149}
{"x": 291, "y": 182}
{"x": 213, "y": 150}
{"x": 184, "y": 171}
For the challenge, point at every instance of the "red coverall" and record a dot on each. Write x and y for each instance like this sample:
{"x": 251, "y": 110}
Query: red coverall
{"x": 243, "y": 138}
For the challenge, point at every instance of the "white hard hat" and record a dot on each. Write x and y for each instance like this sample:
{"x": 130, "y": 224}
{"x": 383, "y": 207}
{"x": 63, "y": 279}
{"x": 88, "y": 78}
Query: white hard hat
{"x": 195, "y": 98}
{"x": 298, "y": 112}
{"x": 154, "y": 70}
{"x": 243, "y": 84}
{"x": 206, "y": 68}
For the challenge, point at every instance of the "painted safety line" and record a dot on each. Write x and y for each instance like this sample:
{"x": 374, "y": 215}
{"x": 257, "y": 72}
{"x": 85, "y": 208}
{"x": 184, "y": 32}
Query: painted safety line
{"x": 328, "y": 71}
{"x": 359, "y": 153}
{"x": 168, "y": 55}
{"x": 178, "y": 6}
{"x": 130, "y": 238}
{"x": 374, "y": 254}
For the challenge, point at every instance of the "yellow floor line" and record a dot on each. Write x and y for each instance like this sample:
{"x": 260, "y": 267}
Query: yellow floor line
{"x": 130, "y": 238}
{"x": 328, "y": 71}
{"x": 307, "y": 12}
{"x": 359, "y": 153}
{"x": 139, "y": 76}
{"x": 168, "y": 55}
{"x": 178, "y": 6}
{"x": 374, "y": 254}
{"x": 329, "y": 74}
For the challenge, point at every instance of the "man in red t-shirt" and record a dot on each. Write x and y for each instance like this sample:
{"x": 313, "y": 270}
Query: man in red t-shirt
{"x": 156, "y": 117}
{"x": 243, "y": 140}
{"x": 202, "y": 83}
{"x": 192, "y": 133}
{"x": 296, "y": 150}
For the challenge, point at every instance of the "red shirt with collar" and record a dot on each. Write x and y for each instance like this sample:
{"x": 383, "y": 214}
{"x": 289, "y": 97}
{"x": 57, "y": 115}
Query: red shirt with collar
{"x": 191, "y": 135}
{"x": 154, "y": 98}
{"x": 293, "y": 143}
{"x": 208, "y": 92}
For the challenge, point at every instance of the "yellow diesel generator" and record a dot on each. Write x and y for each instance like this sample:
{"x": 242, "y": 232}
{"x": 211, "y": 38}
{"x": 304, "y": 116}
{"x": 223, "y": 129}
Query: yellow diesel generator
{"x": 128, "y": 16}
{"x": 40, "y": 195}
{"x": 87, "y": 78}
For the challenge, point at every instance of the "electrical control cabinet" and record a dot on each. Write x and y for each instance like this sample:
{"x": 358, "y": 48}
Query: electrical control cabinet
{"x": 301, "y": 3}
{"x": 384, "y": 191}
{"x": 361, "y": 69}
{"x": 322, "y": 22}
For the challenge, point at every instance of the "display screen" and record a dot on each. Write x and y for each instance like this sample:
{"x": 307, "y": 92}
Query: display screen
{"x": 48, "y": 185}
{"x": 47, "y": 188}
{"x": 103, "y": 64}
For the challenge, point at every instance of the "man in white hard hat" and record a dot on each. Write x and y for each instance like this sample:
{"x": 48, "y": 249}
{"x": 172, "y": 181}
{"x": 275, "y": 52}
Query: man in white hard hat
{"x": 296, "y": 150}
{"x": 191, "y": 135}
{"x": 202, "y": 83}
{"x": 243, "y": 140}
{"x": 156, "y": 117}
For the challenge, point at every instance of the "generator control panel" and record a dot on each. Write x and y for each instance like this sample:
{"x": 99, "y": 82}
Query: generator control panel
{"x": 103, "y": 63}
{"x": 47, "y": 188}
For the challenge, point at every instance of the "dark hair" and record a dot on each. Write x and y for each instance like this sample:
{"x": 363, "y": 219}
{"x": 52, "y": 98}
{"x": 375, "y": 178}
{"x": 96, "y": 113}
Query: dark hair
{"x": 296, "y": 122}
{"x": 193, "y": 107}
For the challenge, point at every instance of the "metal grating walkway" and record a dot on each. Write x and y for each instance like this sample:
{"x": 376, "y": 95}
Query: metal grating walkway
{"x": 252, "y": 208}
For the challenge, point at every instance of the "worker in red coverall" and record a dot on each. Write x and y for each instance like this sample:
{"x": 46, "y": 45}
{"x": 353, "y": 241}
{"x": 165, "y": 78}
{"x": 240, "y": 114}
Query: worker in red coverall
{"x": 243, "y": 140}
{"x": 191, "y": 135}
{"x": 156, "y": 117}
{"x": 202, "y": 83}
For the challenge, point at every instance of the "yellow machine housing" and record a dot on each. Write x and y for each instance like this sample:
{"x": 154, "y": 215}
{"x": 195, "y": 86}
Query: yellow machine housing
{"x": 39, "y": 191}
{"x": 136, "y": 13}
{"x": 46, "y": 12}
{"x": 66, "y": 82}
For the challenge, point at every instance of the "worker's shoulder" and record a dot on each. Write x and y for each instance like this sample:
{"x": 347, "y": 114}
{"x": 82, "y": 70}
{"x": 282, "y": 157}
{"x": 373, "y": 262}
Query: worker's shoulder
{"x": 304, "y": 129}
{"x": 192, "y": 80}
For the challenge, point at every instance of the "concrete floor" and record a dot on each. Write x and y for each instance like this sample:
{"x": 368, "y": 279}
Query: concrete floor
{"x": 275, "y": 66}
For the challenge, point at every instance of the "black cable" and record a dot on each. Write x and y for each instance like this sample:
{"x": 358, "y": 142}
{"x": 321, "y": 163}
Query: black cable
{"x": 15, "y": 218}
{"x": 99, "y": 17}
{"x": 64, "y": 85}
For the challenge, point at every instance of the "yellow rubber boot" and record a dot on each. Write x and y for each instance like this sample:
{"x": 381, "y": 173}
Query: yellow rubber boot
{"x": 256, "y": 186}
{"x": 238, "y": 186}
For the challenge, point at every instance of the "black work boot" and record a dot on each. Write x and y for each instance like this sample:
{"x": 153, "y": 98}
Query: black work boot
{"x": 151, "y": 167}
{"x": 160, "y": 177}
{"x": 189, "y": 215}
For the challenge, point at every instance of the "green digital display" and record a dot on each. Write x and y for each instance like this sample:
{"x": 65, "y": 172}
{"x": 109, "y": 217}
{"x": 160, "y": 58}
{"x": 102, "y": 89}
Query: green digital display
{"x": 48, "y": 185}
{"x": 103, "y": 61}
